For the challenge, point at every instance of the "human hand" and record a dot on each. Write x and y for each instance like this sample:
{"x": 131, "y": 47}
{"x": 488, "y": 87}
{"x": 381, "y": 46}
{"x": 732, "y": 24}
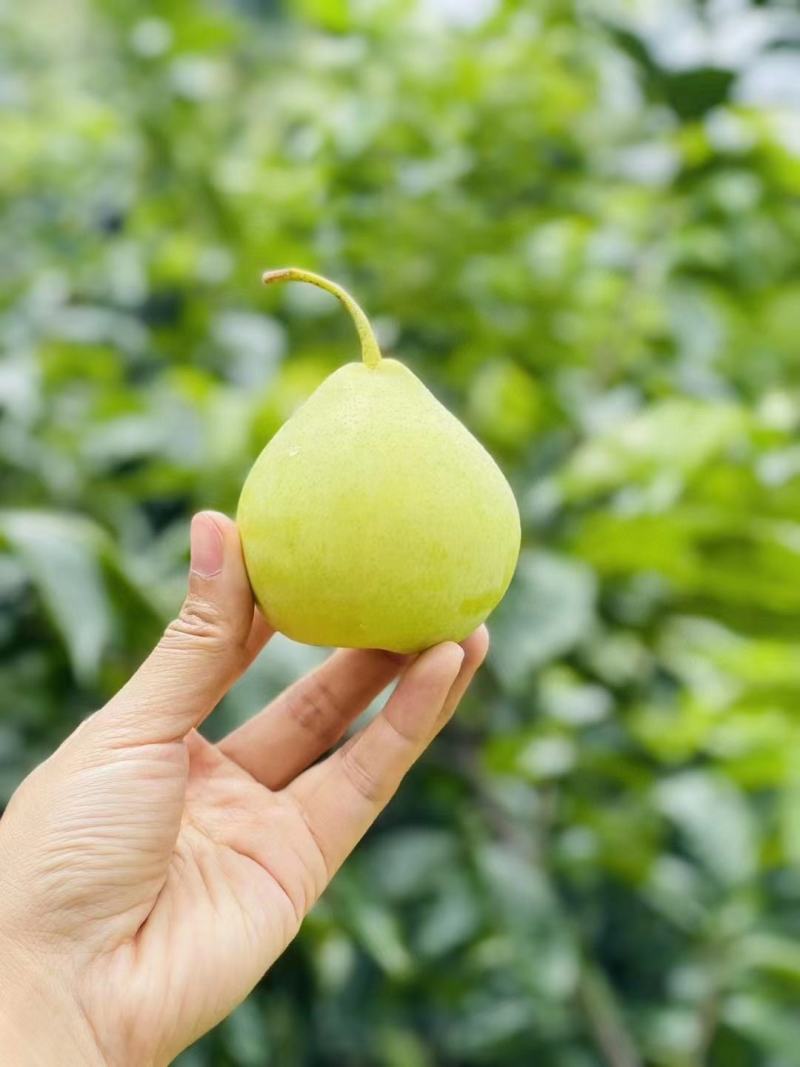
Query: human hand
{"x": 149, "y": 878}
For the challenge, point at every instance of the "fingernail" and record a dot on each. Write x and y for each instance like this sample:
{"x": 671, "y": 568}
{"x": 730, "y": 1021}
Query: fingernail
{"x": 207, "y": 546}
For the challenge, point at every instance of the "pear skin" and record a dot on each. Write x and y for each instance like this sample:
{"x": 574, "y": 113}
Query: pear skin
{"x": 373, "y": 518}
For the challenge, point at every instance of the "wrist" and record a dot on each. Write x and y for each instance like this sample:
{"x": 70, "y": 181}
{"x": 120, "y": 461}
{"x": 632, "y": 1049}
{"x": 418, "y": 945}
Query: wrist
{"x": 41, "y": 1021}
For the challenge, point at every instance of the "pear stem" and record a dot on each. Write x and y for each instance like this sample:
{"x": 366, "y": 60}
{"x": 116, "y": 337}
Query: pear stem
{"x": 370, "y": 352}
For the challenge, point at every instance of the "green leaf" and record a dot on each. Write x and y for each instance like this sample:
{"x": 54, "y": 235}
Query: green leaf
{"x": 675, "y": 437}
{"x": 692, "y": 93}
{"x": 332, "y": 14}
{"x": 546, "y": 612}
{"x": 374, "y": 927}
{"x": 768, "y": 952}
{"x": 716, "y": 821}
{"x": 63, "y": 555}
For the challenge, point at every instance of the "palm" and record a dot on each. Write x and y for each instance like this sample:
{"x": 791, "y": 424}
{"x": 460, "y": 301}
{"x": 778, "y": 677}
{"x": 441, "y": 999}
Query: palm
{"x": 243, "y": 872}
{"x": 258, "y": 866}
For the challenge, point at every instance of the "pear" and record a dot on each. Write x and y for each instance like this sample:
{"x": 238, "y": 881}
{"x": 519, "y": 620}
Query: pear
{"x": 373, "y": 518}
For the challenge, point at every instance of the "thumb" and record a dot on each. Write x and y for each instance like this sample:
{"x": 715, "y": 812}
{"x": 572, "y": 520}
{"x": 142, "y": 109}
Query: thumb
{"x": 202, "y": 651}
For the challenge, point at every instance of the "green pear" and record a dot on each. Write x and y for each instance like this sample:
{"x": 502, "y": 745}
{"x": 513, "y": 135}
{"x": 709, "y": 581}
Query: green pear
{"x": 373, "y": 518}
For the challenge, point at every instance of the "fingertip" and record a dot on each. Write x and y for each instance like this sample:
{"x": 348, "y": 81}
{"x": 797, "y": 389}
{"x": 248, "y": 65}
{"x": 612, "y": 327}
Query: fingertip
{"x": 214, "y": 542}
{"x": 217, "y": 572}
{"x": 207, "y": 545}
{"x": 474, "y": 649}
{"x": 230, "y": 534}
{"x": 476, "y": 646}
{"x": 453, "y": 648}
{"x": 225, "y": 522}
{"x": 451, "y": 654}
{"x": 442, "y": 660}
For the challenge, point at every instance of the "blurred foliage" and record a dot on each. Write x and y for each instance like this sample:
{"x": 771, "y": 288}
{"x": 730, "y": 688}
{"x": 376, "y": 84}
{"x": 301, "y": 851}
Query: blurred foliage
{"x": 579, "y": 222}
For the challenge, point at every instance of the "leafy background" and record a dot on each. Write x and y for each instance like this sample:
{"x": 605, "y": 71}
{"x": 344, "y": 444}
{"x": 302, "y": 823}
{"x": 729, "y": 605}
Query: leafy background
{"x": 579, "y": 222}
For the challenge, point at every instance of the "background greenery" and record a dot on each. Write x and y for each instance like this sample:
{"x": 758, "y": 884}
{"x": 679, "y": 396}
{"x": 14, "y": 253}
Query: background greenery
{"x": 579, "y": 222}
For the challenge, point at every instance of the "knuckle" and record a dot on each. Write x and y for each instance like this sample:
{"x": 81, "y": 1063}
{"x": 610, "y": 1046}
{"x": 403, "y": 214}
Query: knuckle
{"x": 363, "y": 781}
{"x": 198, "y": 622}
{"x": 315, "y": 709}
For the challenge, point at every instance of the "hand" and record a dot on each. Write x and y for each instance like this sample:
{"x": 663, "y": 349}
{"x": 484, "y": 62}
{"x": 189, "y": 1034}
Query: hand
{"x": 149, "y": 878}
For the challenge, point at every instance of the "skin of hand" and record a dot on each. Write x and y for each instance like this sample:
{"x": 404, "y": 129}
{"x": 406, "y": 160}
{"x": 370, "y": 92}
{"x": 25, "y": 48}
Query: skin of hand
{"x": 149, "y": 878}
